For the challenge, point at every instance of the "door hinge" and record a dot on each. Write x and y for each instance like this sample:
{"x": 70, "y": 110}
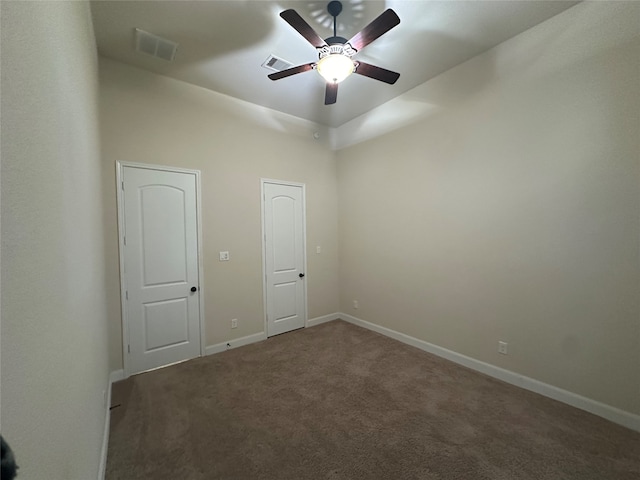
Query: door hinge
{"x": 124, "y": 239}
{"x": 122, "y": 185}
{"x": 127, "y": 294}
{"x": 129, "y": 348}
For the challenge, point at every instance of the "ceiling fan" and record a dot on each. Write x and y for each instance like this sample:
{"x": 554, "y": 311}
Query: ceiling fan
{"x": 334, "y": 53}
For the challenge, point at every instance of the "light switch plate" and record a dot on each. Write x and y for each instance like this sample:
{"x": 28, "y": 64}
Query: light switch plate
{"x": 224, "y": 256}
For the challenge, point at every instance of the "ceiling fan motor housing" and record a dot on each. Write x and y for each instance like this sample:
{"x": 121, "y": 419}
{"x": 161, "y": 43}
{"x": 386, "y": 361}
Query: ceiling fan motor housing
{"x": 334, "y": 40}
{"x": 336, "y": 49}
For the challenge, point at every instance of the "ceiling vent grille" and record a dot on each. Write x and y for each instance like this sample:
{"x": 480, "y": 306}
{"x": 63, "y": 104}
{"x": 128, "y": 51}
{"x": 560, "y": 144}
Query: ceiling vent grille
{"x": 276, "y": 64}
{"x": 156, "y": 46}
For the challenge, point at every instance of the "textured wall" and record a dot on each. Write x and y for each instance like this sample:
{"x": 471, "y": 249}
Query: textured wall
{"x": 152, "y": 119}
{"x": 510, "y": 211}
{"x": 54, "y": 323}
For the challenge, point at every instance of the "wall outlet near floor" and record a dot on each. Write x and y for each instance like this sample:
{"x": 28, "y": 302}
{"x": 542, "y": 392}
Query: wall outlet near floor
{"x": 502, "y": 347}
{"x": 234, "y": 323}
{"x": 356, "y": 305}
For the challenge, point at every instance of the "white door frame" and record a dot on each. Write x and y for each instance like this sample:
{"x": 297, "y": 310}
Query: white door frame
{"x": 123, "y": 290}
{"x": 264, "y": 245}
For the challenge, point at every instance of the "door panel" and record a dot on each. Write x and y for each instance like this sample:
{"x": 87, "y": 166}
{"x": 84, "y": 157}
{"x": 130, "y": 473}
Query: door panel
{"x": 163, "y": 226}
{"x": 284, "y": 257}
{"x": 161, "y": 267}
{"x": 285, "y": 305}
{"x": 284, "y": 234}
{"x": 166, "y": 323}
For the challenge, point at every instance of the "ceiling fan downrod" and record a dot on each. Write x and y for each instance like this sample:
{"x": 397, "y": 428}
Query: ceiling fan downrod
{"x": 336, "y": 45}
{"x": 334, "y": 8}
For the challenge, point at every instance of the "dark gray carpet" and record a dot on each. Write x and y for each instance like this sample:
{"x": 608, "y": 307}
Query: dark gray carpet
{"x": 340, "y": 402}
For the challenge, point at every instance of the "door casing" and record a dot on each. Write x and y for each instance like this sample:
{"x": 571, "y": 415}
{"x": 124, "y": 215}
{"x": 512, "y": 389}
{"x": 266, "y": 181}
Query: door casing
{"x": 263, "y": 181}
{"x": 120, "y": 165}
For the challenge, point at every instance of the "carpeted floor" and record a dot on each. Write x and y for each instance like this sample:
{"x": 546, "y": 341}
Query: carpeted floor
{"x": 340, "y": 402}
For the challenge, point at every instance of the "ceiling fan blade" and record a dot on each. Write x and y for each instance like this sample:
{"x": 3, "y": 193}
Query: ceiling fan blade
{"x": 291, "y": 71}
{"x": 303, "y": 28}
{"x": 377, "y": 73}
{"x": 331, "y": 94}
{"x": 381, "y": 25}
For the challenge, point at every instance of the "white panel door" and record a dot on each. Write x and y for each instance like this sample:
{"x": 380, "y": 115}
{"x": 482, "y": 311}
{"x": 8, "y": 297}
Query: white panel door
{"x": 161, "y": 267}
{"x": 284, "y": 257}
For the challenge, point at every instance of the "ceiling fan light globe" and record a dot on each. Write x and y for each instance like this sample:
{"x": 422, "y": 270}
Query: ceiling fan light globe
{"x": 335, "y": 68}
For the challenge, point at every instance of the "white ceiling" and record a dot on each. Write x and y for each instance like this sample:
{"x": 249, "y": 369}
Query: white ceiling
{"x": 222, "y": 45}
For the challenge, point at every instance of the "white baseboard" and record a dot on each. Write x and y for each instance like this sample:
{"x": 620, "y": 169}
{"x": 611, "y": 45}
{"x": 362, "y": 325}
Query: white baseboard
{"x": 114, "y": 376}
{"x": 258, "y": 337}
{"x": 105, "y": 437}
{"x": 323, "y": 319}
{"x": 238, "y": 342}
{"x": 621, "y": 417}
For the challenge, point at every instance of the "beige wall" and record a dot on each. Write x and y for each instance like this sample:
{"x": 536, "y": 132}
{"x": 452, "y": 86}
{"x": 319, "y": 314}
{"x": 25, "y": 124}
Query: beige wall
{"x": 152, "y": 119}
{"x": 510, "y": 211}
{"x": 54, "y": 322}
